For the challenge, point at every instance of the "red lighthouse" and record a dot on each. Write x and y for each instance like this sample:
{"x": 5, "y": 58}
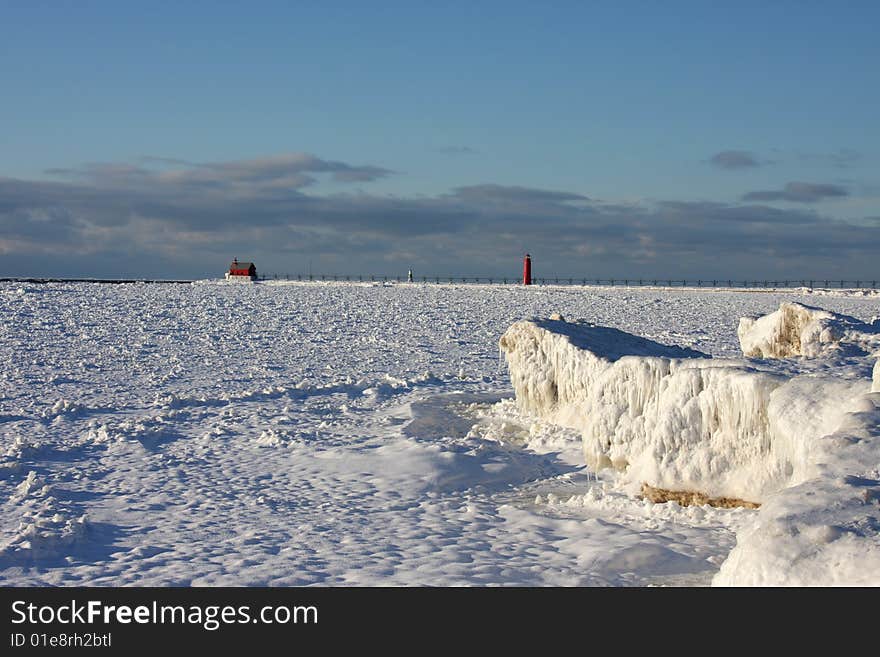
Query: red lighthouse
{"x": 527, "y": 270}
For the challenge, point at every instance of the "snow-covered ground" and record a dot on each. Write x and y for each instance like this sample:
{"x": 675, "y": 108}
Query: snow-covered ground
{"x": 334, "y": 434}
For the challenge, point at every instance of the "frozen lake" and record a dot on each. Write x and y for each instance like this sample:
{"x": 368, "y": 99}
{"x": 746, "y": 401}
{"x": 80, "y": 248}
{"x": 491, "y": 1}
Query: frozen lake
{"x": 333, "y": 434}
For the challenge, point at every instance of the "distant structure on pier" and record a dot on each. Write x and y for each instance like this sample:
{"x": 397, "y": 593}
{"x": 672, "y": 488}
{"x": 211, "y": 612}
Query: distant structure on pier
{"x": 527, "y": 270}
{"x": 241, "y": 271}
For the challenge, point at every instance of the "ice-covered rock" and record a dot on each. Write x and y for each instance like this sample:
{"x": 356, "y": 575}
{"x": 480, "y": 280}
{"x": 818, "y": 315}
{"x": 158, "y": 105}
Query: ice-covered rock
{"x": 674, "y": 419}
{"x": 554, "y": 364}
{"x": 822, "y": 531}
{"x": 666, "y": 416}
{"x": 799, "y": 330}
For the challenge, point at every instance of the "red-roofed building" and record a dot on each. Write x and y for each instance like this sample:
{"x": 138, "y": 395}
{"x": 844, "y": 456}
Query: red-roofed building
{"x": 242, "y": 270}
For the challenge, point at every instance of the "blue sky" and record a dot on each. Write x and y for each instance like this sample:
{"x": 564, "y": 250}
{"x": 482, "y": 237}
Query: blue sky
{"x": 681, "y": 138}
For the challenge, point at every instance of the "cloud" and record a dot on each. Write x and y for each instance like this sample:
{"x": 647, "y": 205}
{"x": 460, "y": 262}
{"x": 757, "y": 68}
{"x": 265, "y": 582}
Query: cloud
{"x": 712, "y": 212}
{"x": 513, "y": 194}
{"x": 734, "y": 160}
{"x": 286, "y": 171}
{"x": 123, "y": 219}
{"x": 799, "y": 192}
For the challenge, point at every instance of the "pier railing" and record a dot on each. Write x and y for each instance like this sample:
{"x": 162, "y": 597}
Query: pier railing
{"x": 581, "y": 281}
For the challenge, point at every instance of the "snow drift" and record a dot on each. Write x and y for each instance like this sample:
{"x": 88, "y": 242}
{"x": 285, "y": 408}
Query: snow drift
{"x": 802, "y": 442}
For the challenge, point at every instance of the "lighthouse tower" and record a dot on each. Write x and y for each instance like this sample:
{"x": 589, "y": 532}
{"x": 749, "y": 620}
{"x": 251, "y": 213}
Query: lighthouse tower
{"x": 527, "y": 270}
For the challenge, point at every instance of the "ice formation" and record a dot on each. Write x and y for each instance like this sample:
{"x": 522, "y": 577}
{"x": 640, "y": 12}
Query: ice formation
{"x": 802, "y": 442}
{"x": 667, "y": 416}
{"x": 799, "y": 330}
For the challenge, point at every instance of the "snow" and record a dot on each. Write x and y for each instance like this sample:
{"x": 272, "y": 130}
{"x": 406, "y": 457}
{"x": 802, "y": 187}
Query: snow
{"x": 798, "y": 437}
{"x": 338, "y": 434}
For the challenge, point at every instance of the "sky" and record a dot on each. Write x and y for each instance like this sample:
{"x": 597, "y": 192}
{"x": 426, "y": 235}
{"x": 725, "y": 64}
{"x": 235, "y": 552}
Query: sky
{"x": 608, "y": 139}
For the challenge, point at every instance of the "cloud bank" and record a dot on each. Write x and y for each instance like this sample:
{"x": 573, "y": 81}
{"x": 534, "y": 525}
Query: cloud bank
{"x": 173, "y": 218}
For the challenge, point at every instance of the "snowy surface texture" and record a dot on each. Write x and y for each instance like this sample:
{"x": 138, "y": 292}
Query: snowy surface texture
{"x": 351, "y": 434}
{"x": 799, "y": 436}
